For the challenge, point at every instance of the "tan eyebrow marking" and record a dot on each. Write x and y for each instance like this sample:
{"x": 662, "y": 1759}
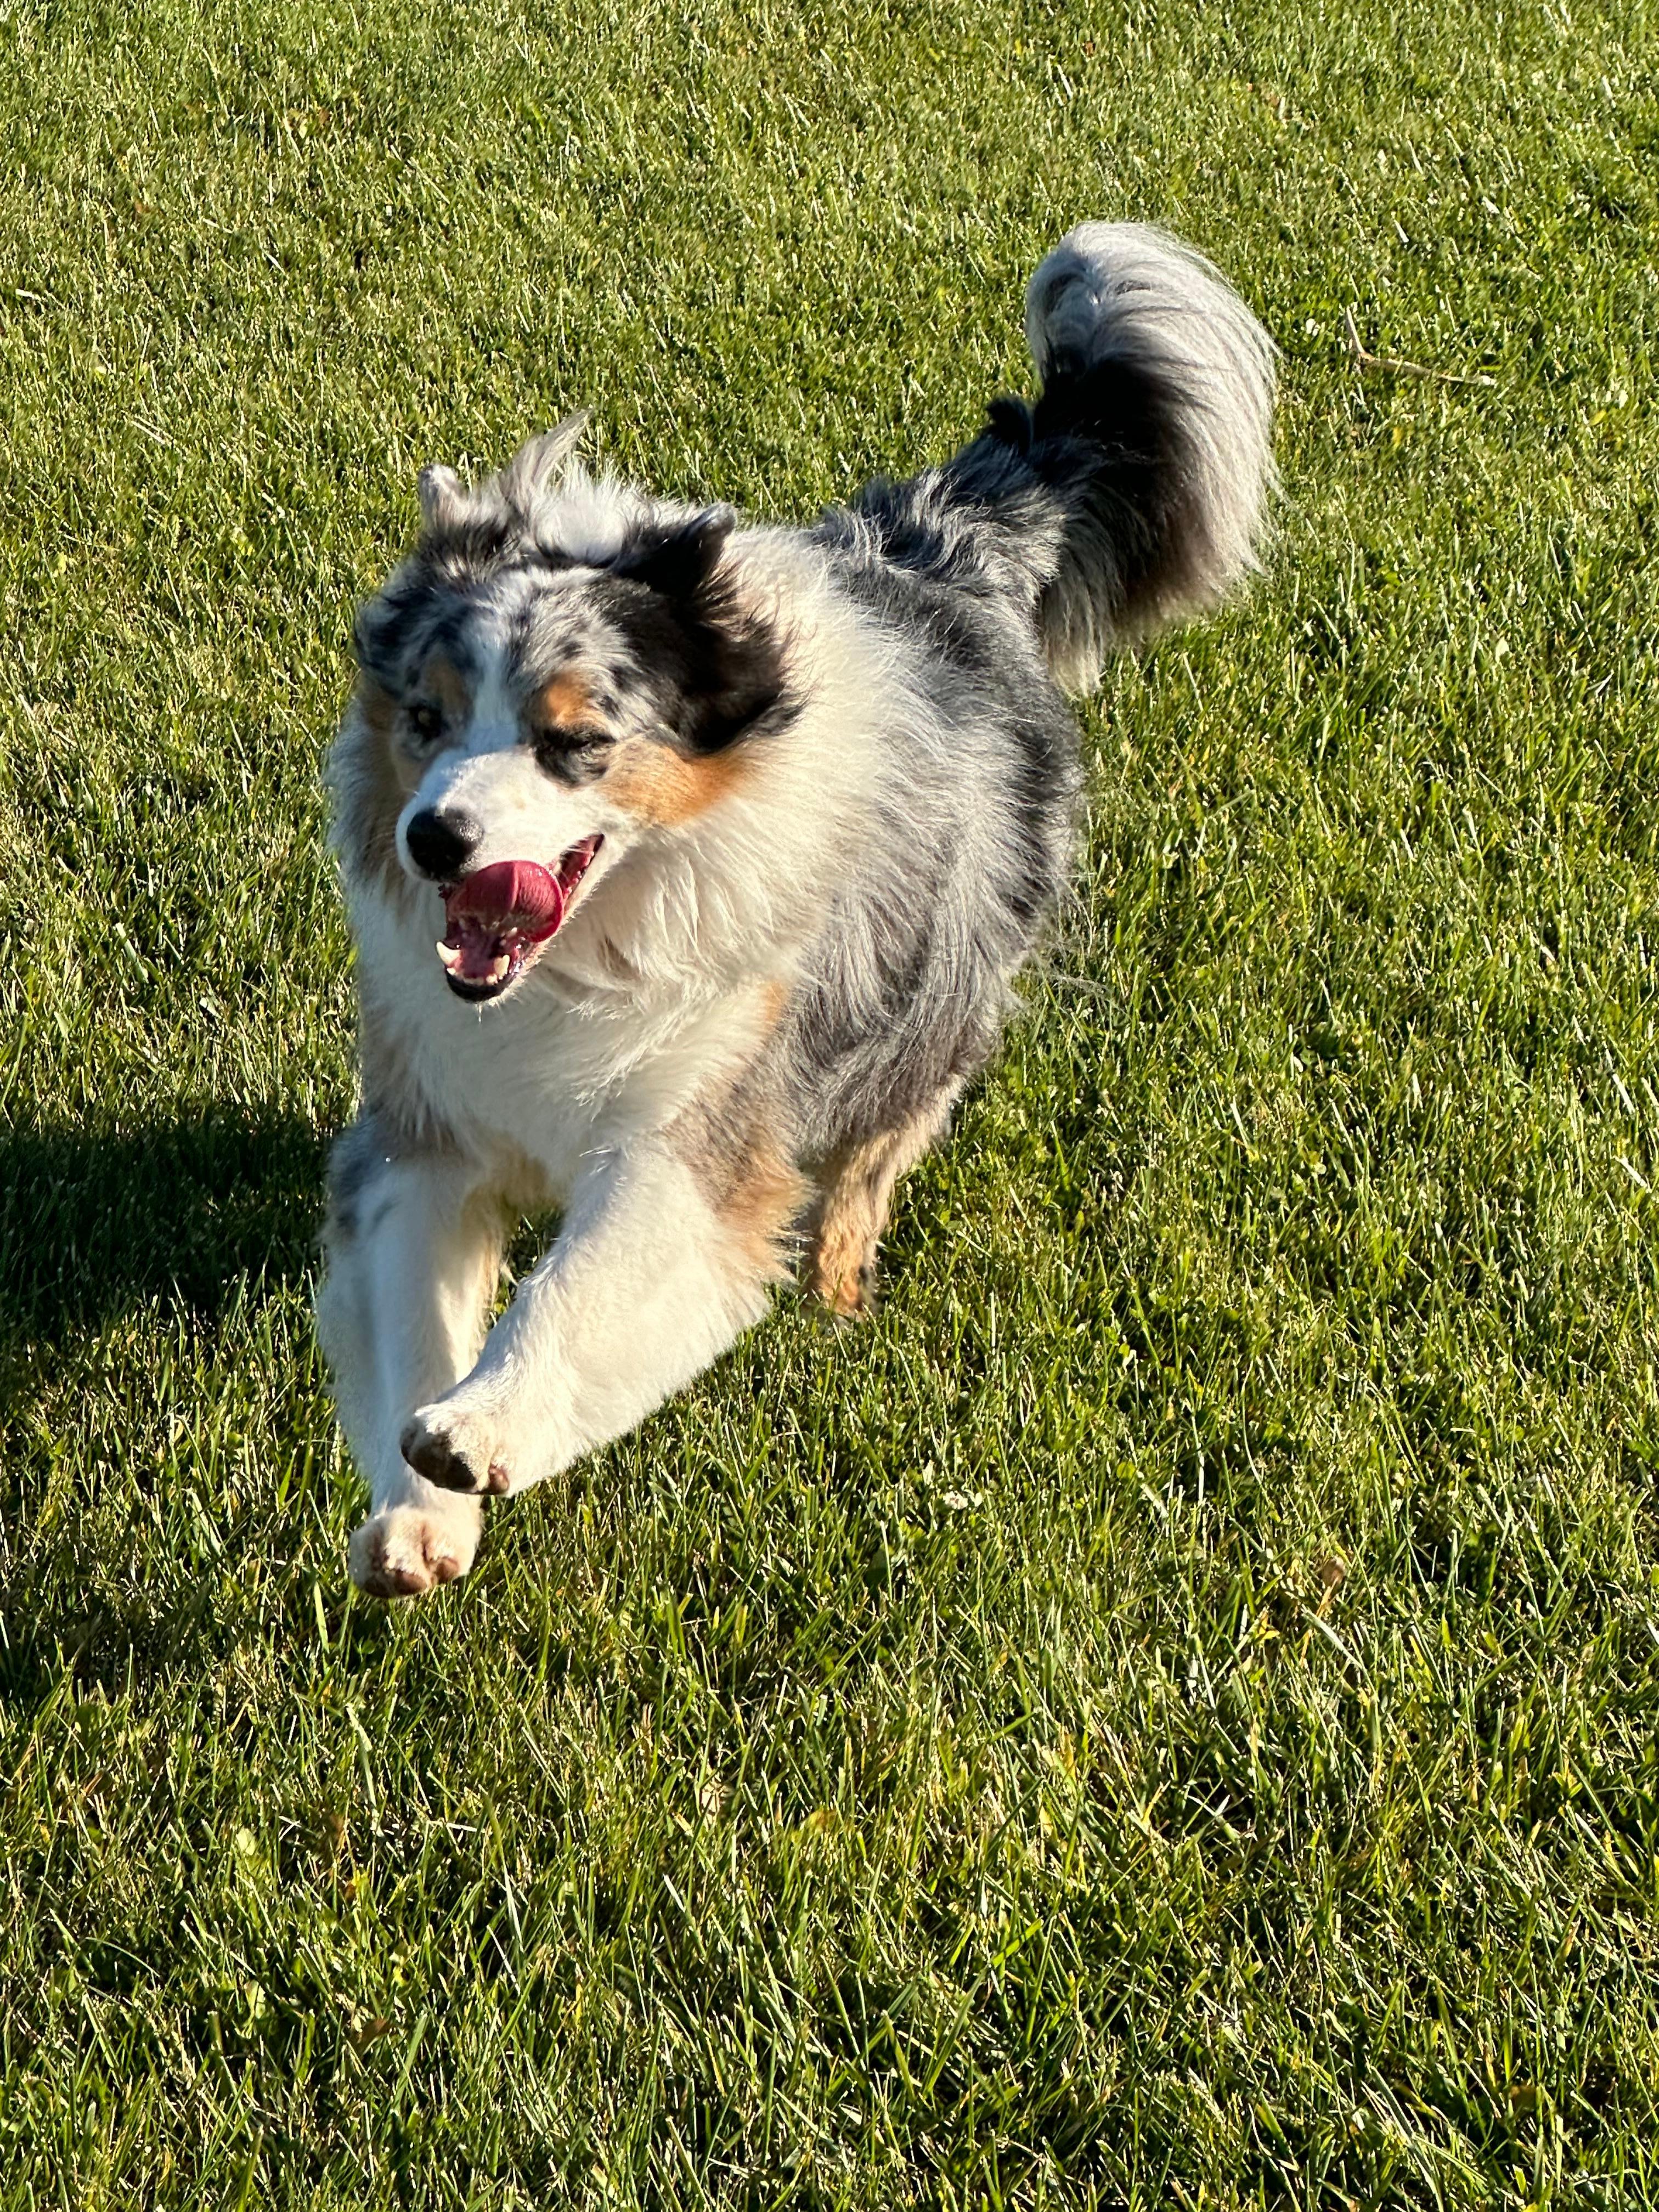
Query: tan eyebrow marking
{"x": 450, "y": 688}
{"x": 566, "y": 702}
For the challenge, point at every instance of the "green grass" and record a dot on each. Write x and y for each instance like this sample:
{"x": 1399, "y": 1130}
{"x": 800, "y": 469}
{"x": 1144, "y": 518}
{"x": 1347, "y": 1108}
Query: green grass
{"x": 1169, "y": 1713}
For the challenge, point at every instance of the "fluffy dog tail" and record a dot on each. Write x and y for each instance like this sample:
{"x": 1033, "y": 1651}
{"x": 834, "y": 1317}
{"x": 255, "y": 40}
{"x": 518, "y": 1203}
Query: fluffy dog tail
{"x": 1152, "y": 439}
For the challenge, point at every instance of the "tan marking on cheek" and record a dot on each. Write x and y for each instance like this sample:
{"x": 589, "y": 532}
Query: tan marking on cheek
{"x": 655, "y": 784}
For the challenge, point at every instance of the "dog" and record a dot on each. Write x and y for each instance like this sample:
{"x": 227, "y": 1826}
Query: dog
{"x": 691, "y": 863}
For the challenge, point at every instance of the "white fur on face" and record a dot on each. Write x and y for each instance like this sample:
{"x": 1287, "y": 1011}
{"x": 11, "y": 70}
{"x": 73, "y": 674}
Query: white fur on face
{"x": 523, "y": 813}
{"x": 491, "y": 777}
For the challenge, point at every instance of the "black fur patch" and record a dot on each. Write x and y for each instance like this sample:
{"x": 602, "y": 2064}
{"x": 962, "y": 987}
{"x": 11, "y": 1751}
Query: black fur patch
{"x": 1106, "y": 442}
{"x": 713, "y": 668}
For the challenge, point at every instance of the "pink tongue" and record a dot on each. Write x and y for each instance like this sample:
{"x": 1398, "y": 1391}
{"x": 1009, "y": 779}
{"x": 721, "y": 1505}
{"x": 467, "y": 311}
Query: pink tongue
{"x": 519, "y": 896}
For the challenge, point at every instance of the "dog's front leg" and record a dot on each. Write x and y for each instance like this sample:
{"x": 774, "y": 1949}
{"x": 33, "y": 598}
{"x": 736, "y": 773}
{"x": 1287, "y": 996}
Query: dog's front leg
{"x": 414, "y": 1252}
{"x": 658, "y": 1268}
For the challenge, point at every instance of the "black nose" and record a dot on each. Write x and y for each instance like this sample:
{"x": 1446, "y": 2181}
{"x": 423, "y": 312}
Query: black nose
{"x": 440, "y": 844}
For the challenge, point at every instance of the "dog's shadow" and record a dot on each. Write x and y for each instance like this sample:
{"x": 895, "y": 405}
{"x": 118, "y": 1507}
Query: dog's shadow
{"x": 94, "y": 1223}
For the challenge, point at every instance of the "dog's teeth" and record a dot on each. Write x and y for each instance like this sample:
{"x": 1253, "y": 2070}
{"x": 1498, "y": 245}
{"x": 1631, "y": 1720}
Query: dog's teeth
{"x": 449, "y": 954}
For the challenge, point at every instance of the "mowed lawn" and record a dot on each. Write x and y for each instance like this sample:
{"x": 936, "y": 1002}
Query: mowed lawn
{"x": 1165, "y": 1714}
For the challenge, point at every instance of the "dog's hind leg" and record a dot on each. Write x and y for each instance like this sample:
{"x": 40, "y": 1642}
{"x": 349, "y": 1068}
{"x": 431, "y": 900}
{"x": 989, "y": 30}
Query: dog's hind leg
{"x": 859, "y": 1186}
{"x": 665, "y": 1257}
{"x": 414, "y": 1251}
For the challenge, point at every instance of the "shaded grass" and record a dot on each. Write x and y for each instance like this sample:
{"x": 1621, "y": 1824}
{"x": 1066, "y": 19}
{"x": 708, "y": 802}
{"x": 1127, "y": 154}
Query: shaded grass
{"x": 1166, "y": 1715}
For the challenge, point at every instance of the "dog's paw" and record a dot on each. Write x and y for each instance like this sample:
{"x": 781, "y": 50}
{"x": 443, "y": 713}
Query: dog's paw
{"x": 407, "y": 1549}
{"x": 457, "y": 1449}
{"x": 844, "y": 1278}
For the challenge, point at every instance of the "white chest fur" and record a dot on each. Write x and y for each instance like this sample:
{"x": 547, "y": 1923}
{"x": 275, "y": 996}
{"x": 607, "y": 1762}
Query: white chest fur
{"x": 553, "y": 1071}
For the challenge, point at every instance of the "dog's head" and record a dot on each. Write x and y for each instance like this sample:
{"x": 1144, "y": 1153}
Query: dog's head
{"x": 558, "y": 672}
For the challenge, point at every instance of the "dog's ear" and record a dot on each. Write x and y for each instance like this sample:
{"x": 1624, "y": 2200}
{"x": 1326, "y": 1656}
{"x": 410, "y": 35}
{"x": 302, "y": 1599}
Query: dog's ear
{"x": 681, "y": 559}
{"x": 443, "y": 496}
{"x": 541, "y": 461}
{"x": 718, "y": 664}
{"x": 487, "y": 516}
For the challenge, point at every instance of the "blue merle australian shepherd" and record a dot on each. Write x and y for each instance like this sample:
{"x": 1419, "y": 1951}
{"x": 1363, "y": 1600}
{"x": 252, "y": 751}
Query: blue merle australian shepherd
{"x": 691, "y": 862}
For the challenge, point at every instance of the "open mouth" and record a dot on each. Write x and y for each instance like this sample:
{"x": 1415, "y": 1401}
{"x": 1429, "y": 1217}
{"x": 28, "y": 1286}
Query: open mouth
{"x": 500, "y": 917}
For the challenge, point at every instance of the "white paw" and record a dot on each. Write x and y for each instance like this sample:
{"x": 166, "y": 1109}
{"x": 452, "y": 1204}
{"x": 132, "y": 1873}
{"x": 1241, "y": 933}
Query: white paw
{"x": 459, "y": 1447}
{"x": 407, "y": 1549}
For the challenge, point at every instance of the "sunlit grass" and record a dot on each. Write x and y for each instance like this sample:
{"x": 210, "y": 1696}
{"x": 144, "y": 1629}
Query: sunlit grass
{"x": 1166, "y": 1714}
